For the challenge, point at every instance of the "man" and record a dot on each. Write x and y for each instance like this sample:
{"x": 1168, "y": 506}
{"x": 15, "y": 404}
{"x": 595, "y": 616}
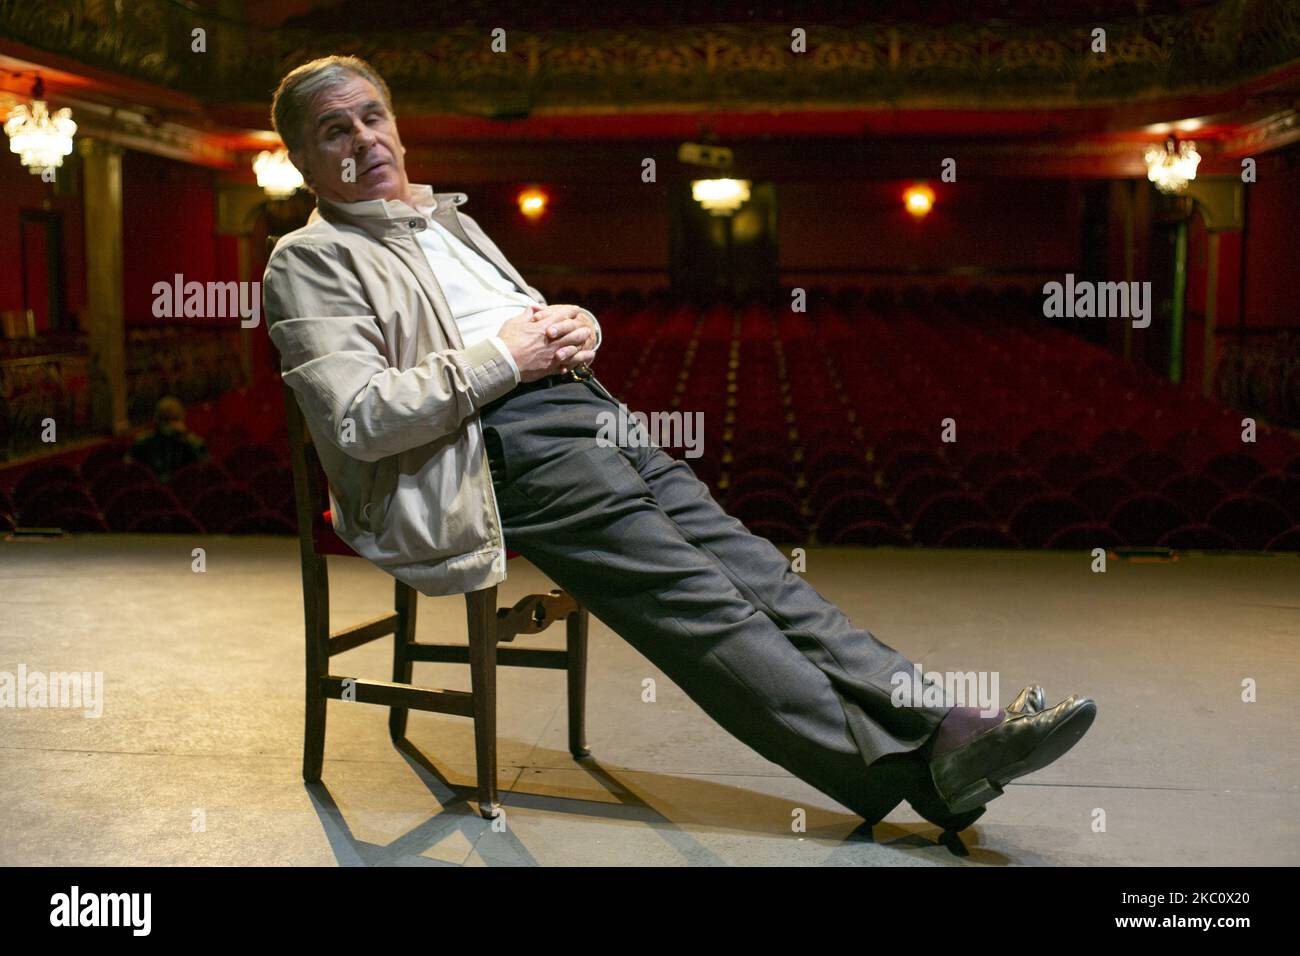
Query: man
{"x": 170, "y": 446}
{"x": 453, "y": 413}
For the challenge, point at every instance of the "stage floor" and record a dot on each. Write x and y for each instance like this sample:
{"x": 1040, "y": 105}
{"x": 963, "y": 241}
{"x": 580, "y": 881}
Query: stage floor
{"x": 196, "y": 758}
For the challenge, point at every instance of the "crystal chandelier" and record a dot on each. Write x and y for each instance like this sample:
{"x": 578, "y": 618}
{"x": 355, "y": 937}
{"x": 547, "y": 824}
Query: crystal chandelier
{"x": 40, "y": 139}
{"x": 1172, "y": 166}
{"x": 276, "y": 174}
{"x": 721, "y": 197}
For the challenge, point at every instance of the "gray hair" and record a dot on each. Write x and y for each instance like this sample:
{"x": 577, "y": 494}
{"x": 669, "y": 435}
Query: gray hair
{"x": 301, "y": 85}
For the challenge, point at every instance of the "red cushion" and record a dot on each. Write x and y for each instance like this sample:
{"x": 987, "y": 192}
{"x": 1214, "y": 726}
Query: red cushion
{"x": 325, "y": 541}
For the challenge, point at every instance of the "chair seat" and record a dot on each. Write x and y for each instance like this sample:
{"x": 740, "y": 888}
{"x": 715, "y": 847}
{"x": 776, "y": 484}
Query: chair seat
{"x": 326, "y": 541}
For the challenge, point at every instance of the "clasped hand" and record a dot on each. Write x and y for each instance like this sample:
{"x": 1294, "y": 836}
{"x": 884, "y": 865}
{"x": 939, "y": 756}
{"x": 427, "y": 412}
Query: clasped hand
{"x": 546, "y": 340}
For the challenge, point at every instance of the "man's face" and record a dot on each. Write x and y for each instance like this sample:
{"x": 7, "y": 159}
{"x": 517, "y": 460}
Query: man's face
{"x": 350, "y": 121}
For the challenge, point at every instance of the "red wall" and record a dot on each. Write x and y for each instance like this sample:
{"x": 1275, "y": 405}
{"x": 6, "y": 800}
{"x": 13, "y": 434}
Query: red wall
{"x": 20, "y": 190}
{"x": 1005, "y": 225}
{"x": 168, "y": 226}
{"x": 1272, "y": 224}
{"x": 588, "y": 234}
{"x": 992, "y": 224}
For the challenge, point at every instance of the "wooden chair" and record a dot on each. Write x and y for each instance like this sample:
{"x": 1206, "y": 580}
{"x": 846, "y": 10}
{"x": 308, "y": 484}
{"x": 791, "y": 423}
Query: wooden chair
{"x": 489, "y": 626}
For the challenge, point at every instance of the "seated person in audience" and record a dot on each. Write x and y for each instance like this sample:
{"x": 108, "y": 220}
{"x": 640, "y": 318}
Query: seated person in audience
{"x": 171, "y": 445}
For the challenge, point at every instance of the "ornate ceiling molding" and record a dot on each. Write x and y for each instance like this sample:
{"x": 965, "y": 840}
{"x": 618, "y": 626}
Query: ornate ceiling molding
{"x": 1279, "y": 130}
{"x": 899, "y": 65}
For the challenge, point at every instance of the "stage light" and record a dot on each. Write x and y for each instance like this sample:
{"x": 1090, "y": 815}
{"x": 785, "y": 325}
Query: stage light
{"x": 276, "y": 174}
{"x": 1172, "y": 166}
{"x": 532, "y": 202}
{"x": 721, "y": 197}
{"x": 40, "y": 139}
{"x": 918, "y": 200}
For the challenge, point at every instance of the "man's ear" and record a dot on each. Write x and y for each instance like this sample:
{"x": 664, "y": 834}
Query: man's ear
{"x": 299, "y": 160}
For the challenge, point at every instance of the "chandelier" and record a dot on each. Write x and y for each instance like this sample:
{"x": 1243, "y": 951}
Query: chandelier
{"x": 1172, "y": 166}
{"x": 276, "y": 174}
{"x": 721, "y": 197}
{"x": 40, "y": 139}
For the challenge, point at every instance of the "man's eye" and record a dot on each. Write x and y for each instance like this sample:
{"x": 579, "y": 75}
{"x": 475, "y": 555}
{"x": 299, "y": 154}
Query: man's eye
{"x": 374, "y": 117}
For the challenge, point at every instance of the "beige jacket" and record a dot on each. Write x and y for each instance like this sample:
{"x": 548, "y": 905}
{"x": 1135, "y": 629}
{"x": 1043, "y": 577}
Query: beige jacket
{"x": 390, "y": 394}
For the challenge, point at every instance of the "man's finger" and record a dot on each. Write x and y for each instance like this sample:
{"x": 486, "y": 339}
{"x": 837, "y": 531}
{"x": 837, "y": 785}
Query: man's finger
{"x": 562, "y": 328}
{"x": 559, "y": 311}
{"x": 577, "y": 338}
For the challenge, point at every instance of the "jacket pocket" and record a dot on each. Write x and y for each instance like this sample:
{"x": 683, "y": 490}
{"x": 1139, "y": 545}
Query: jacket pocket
{"x": 377, "y": 490}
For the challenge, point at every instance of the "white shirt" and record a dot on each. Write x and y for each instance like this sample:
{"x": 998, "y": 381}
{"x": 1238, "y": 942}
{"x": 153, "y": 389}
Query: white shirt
{"x": 480, "y": 297}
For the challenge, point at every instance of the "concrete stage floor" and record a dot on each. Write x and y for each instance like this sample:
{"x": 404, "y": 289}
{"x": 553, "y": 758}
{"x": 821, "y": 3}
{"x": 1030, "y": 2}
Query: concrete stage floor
{"x": 203, "y": 699}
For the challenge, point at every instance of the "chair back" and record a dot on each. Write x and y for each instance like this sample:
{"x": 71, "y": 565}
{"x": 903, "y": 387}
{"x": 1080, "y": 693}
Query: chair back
{"x": 316, "y": 537}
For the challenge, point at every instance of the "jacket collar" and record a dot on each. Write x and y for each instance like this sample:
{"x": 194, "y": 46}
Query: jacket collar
{"x": 382, "y": 218}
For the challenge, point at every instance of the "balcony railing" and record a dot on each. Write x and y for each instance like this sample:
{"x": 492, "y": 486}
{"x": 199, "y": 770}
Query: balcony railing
{"x": 872, "y": 63}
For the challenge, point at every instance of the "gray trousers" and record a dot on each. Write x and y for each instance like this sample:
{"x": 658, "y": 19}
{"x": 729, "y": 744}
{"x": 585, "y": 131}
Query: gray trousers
{"x": 640, "y": 541}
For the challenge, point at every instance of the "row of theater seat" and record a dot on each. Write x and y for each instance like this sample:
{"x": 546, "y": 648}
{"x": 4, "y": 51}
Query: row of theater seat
{"x": 109, "y": 494}
{"x": 1005, "y": 433}
{"x": 246, "y": 486}
{"x": 936, "y": 423}
{"x": 999, "y": 499}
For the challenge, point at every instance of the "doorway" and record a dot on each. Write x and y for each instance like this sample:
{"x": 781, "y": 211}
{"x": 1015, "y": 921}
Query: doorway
{"x": 42, "y": 268}
{"x": 723, "y": 258}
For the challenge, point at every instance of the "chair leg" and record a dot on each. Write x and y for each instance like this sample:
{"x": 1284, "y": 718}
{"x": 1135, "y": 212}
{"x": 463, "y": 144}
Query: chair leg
{"x": 318, "y": 635}
{"x": 481, "y": 609}
{"x": 404, "y": 602}
{"x": 576, "y": 641}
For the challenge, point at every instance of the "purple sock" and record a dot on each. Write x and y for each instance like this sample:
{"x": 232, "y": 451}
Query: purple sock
{"x": 961, "y": 726}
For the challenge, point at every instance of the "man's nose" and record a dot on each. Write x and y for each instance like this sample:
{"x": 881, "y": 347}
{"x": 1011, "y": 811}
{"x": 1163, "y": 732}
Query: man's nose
{"x": 363, "y": 137}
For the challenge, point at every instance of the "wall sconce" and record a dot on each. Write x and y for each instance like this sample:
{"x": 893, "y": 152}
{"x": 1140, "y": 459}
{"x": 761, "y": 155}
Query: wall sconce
{"x": 532, "y": 202}
{"x": 918, "y": 200}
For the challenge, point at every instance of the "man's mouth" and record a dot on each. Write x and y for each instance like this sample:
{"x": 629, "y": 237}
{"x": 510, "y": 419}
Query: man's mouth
{"x": 373, "y": 166}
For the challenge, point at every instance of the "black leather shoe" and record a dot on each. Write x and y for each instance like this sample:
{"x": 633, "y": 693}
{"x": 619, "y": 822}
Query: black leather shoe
{"x": 970, "y": 775}
{"x": 927, "y": 802}
{"x": 1029, "y": 701}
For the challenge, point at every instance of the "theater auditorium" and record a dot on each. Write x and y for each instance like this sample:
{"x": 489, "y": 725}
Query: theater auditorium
{"x": 983, "y": 313}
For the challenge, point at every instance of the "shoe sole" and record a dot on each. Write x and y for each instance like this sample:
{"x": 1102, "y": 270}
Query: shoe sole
{"x": 933, "y": 812}
{"x": 1054, "y": 745}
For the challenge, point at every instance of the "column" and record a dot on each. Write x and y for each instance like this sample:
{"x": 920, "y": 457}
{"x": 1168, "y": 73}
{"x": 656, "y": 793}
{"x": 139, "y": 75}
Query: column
{"x": 102, "y": 192}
